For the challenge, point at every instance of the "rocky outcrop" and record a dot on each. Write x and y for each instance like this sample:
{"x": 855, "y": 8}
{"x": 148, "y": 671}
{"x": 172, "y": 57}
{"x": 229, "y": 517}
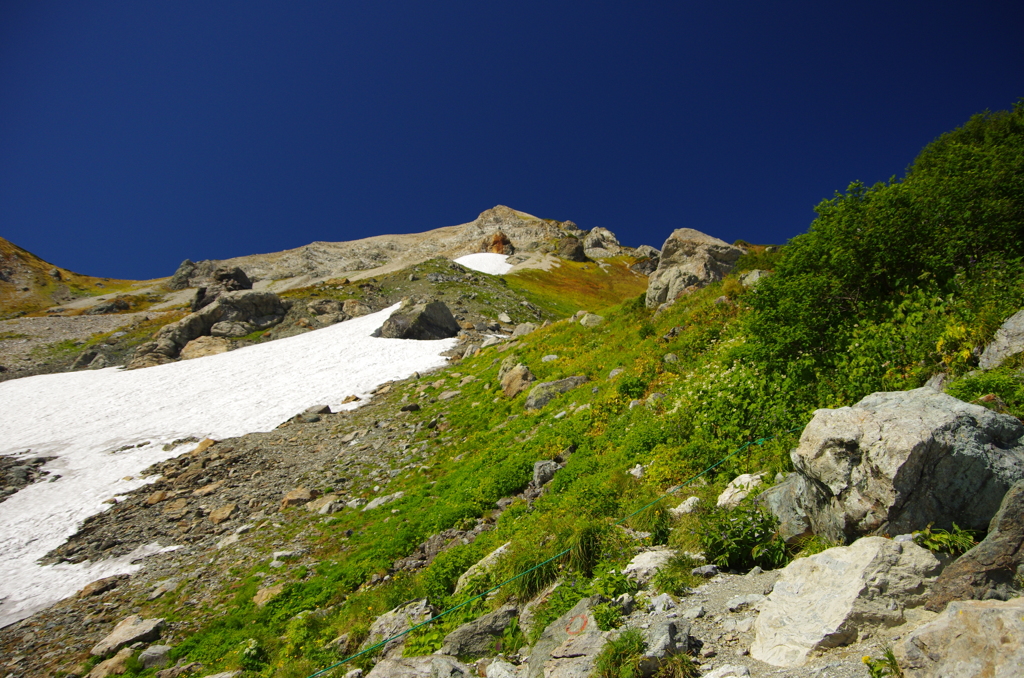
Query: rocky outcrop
{"x": 827, "y": 600}
{"x": 601, "y": 243}
{"x": 1008, "y": 341}
{"x": 497, "y": 243}
{"x": 689, "y": 258}
{"x": 431, "y": 666}
{"x": 476, "y": 638}
{"x": 973, "y": 638}
{"x": 898, "y": 462}
{"x": 545, "y": 392}
{"x": 571, "y": 249}
{"x": 223, "y": 279}
{"x": 569, "y": 644}
{"x": 989, "y": 569}
{"x": 231, "y": 314}
{"x": 424, "y": 321}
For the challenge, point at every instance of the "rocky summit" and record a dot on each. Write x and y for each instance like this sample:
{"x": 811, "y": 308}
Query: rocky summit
{"x": 517, "y": 448}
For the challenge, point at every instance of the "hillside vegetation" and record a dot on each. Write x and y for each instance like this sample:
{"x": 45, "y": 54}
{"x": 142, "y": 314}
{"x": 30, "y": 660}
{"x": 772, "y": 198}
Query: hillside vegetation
{"x": 892, "y": 283}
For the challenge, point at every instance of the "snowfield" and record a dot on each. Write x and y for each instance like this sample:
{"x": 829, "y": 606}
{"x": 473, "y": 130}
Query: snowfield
{"x": 86, "y": 418}
{"x": 486, "y": 263}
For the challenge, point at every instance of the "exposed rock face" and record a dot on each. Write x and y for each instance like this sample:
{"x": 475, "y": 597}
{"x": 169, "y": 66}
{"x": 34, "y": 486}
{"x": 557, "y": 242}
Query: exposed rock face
{"x": 498, "y": 243}
{"x": 475, "y": 638}
{"x": 897, "y": 462}
{"x": 569, "y": 644}
{"x": 689, "y": 258}
{"x": 828, "y": 599}
{"x": 482, "y": 566}
{"x": 248, "y": 309}
{"x": 973, "y": 638}
{"x": 1009, "y": 340}
{"x": 571, "y": 249}
{"x": 600, "y": 243}
{"x": 987, "y": 571}
{"x": 224, "y": 279}
{"x": 545, "y": 392}
{"x": 425, "y": 321}
{"x": 431, "y": 666}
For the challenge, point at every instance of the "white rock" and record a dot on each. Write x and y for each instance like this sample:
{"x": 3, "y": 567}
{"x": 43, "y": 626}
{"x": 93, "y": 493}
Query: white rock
{"x": 688, "y": 506}
{"x": 380, "y": 501}
{"x": 645, "y": 565}
{"x": 501, "y": 669}
{"x": 738, "y": 489}
{"x": 130, "y": 630}
{"x": 482, "y": 566}
{"x": 829, "y": 599}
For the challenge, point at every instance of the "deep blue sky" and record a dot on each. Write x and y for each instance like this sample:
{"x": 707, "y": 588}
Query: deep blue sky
{"x": 136, "y": 134}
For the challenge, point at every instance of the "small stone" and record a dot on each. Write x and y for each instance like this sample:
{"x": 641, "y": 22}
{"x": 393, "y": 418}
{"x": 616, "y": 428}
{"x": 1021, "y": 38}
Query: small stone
{"x": 129, "y": 630}
{"x": 265, "y": 595}
{"x": 706, "y": 571}
{"x": 693, "y": 612}
{"x": 300, "y": 495}
{"x": 738, "y": 603}
{"x": 99, "y": 586}
{"x": 157, "y": 497}
{"x": 549, "y": 358}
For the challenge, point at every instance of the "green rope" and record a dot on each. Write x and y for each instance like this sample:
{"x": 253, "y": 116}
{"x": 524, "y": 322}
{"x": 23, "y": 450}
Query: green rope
{"x": 667, "y": 493}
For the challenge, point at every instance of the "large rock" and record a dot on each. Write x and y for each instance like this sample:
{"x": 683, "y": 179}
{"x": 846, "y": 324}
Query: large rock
{"x": 497, "y": 243}
{"x": 897, "y": 462}
{"x": 482, "y": 566}
{"x": 114, "y": 666}
{"x": 205, "y": 346}
{"x": 222, "y": 280}
{"x": 424, "y": 321}
{"x": 400, "y": 619}
{"x": 988, "y": 570}
{"x": 571, "y": 249}
{"x": 569, "y": 645}
{"x": 971, "y": 638}
{"x": 789, "y": 501}
{"x": 259, "y": 310}
{"x": 645, "y": 565}
{"x": 829, "y": 599}
{"x": 130, "y": 630}
{"x": 517, "y": 380}
{"x": 738, "y": 489}
{"x": 476, "y": 638}
{"x": 1008, "y": 341}
{"x": 545, "y": 392}
{"x": 600, "y": 243}
{"x": 688, "y": 258}
{"x": 431, "y": 666}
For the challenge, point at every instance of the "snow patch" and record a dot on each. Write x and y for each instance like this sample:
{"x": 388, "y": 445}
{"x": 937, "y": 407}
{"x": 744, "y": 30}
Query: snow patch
{"x": 86, "y": 418}
{"x": 486, "y": 262}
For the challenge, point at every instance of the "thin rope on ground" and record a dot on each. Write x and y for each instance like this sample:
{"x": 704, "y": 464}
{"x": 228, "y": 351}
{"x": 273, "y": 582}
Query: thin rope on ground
{"x": 666, "y": 494}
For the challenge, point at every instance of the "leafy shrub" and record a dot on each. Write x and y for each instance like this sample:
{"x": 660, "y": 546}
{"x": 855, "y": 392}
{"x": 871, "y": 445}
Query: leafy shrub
{"x": 1004, "y": 382}
{"x": 621, "y": 657}
{"x": 677, "y": 666}
{"x": 512, "y": 639}
{"x": 741, "y": 538}
{"x": 632, "y": 387}
{"x": 954, "y": 542}
{"x": 607, "y": 615}
{"x": 885, "y": 666}
{"x": 253, "y": 655}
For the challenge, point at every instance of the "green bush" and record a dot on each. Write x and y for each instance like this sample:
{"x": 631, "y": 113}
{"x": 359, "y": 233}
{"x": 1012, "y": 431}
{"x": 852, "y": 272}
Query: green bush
{"x": 632, "y": 387}
{"x": 742, "y": 537}
{"x": 955, "y": 541}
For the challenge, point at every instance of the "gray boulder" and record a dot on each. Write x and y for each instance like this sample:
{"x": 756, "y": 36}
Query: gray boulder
{"x": 988, "y": 570}
{"x": 426, "y": 321}
{"x": 544, "y": 471}
{"x": 571, "y": 249}
{"x": 130, "y": 630}
{"x": 600, "y": 243}
{"x": 689, "y": 258}
{"x": 545, "y": 392}
{"x": 1008, "y": 341}
{"x": 665, "y": 638}
{"x": 569, "y": 645}
{"x": 970, "y": 638}
{"x": 828, "y": 599}
{"x": 476, "y": 638}
{"x": 898, "y": 462}
{"x": 790, "y": 501}
{"x": 430, "y": 666}
{"x": 753, "y": 278}
{"x": 154, "y": 656}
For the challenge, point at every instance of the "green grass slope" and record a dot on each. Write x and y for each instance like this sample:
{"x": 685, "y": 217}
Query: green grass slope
{"x": 891, "y": 284}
